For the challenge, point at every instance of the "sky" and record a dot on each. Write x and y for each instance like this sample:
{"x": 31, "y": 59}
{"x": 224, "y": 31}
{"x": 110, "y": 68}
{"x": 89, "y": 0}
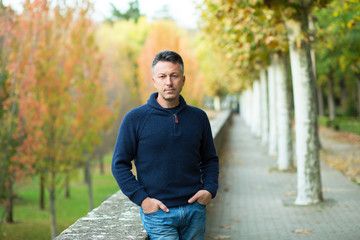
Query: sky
{"x": 183, "y": 12}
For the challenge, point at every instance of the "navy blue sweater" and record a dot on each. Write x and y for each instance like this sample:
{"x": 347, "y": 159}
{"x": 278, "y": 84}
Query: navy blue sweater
{"x": 173, "y": 150}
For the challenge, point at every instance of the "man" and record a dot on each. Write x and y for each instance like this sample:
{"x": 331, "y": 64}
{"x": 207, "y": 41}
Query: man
{"x": 175, "y": 158}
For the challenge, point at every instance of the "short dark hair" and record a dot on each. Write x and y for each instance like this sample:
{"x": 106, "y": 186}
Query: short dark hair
{"x": 168, "y": 56}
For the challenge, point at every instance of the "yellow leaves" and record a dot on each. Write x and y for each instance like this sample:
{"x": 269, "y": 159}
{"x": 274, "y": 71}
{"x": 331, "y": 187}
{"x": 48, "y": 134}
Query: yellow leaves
{"x": 272, "y": 42}
{"x": 336, "y": 13}
{"x": 351, "y": 23}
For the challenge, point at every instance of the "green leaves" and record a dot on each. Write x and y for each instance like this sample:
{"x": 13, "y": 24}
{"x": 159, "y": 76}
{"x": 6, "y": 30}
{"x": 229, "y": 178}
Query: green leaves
{"x": 337, "y": 47}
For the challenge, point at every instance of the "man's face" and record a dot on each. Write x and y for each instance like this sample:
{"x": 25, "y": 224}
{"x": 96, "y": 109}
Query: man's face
{"x": 168, "y": 80}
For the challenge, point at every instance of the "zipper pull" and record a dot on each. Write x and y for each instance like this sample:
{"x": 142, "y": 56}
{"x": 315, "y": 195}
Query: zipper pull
{"x": 176, "y": 118}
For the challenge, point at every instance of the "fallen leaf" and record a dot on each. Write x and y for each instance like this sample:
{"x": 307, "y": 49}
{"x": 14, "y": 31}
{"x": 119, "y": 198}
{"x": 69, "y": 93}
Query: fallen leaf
{"x": 225, "y": 226}
{"x": 289, "y": 193}
{"x": 302, "y": 231}
{"x": 220, "y": 237}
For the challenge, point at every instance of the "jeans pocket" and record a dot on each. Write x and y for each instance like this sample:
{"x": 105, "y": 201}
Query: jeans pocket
{"x": 152, "y": 213}
{"x": 200, "y": 204}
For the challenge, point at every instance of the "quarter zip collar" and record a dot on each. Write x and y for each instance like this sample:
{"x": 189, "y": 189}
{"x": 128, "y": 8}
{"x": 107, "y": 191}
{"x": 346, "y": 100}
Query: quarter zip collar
{"x": 154, "y": 104}
{"x": 169, "y": 112}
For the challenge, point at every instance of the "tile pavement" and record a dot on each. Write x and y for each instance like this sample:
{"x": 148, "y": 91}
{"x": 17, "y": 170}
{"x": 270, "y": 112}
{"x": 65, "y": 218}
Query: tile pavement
{"x": 254, "y": 202}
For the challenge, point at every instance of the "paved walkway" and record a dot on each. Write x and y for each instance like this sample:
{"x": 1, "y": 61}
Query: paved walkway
{"x": 254, "y": 202}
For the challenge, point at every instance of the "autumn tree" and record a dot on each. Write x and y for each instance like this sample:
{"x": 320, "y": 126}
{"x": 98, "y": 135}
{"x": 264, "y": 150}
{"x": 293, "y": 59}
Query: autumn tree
{"x": 293, "y": 20}
{"x": 214, "y": 72}
{"x": 21, "y": 138}
{"x": 337, "y": 50}
{"x": 253, "y": 40}
{"x": 309, "y": 188}
{"x": 52, "y": 98}
{"x": 119, "y": 71}
{"x": 83, "y": 64}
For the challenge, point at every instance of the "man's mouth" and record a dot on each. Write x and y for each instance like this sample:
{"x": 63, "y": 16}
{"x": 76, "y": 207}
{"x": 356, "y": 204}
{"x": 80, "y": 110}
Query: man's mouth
{"x": 169, "y": 90}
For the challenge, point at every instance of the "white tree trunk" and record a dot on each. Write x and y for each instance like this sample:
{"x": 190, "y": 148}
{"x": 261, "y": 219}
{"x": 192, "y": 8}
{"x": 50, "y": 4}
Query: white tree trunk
{"x": 243, "y": 106}
{"x": 217, "y": 103}
{"x": 307, "y": 152}
{"x": 246, "y": 106}
{"x": 256, "y": 123}
{"x": 272, "y": 111}
{"x": 249, "y": 105}
{"x": 264, "y": 107}
{"x": 284, "y": 131}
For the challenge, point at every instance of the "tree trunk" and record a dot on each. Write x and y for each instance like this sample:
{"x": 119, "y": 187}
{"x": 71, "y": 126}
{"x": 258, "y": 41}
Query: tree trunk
{"x": 309, "y": 190}
{"x": 256, "y": 123}
{"x": 248, "y": 104}
{"x": 283, "y": 107}
{"x": 10, "y": 203}
{"x": 85, "y": 175}
{"x": 313, "y": 61}
{"x": 343, "y": 99}
{"x": 42, "y": 192}
{"x": 67, "y": 185}
{"x": 89, "y": 182}
{"x": 264, "y": 107}
{"x": 358, "y": 88}
{"x": 272, "y": 111}
{"x": 101, "y": 161}
{"x": 52, "y": 204}
{"x": 320, "y": 96}
{"x": 331, "y": 99}
{"x": 217, "y": 103}
{"x": 245, "y": 105}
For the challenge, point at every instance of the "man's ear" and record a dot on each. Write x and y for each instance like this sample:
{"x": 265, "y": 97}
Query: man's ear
{"x": 184, "y": 79}
{"x": 153, "y": 81}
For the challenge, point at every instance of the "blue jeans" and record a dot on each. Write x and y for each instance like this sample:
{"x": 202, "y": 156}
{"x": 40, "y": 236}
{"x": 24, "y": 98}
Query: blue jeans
{"x": 180, "y": 223}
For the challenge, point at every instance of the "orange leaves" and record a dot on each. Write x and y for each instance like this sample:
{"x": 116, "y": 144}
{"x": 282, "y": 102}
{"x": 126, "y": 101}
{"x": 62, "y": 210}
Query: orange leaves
{"x": 53, "y": 97}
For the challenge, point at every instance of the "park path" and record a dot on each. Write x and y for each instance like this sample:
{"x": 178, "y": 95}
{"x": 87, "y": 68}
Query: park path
{"x": 254, "y": 202}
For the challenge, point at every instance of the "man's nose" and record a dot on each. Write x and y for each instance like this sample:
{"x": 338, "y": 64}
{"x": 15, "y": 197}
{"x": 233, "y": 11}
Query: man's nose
{"x": 168, "y": 80}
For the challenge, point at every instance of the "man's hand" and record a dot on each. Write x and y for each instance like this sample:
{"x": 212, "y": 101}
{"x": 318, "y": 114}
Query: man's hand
{"x": 151, "y": 205}
{"x": 203, "y": 197}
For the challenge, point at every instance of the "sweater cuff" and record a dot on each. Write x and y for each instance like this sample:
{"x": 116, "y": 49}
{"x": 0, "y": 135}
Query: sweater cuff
{"x": 211, "y": 189}
{"x": 139, "y": 197}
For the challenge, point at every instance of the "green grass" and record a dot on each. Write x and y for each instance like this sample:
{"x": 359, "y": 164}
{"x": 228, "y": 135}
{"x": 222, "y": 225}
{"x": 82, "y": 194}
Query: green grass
{"x": 344, "y": 124}
{"x": 32, "y": 223}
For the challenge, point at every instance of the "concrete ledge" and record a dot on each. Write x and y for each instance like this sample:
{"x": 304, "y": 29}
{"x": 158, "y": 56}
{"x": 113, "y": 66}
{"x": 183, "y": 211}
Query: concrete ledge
{"x": 219, "y": 127}
{"x": 119, "y": 218}
{"x": 116, "y": 218}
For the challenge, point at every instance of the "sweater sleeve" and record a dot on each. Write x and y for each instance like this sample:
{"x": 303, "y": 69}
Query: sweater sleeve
{"x": 209, "y": 165}
{"x": 124, "y": 153}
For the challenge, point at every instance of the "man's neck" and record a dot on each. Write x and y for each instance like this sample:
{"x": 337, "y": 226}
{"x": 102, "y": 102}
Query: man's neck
{"x": 168, "y": 104}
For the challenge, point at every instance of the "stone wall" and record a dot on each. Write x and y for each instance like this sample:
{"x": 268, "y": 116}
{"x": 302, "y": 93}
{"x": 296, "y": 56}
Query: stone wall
{"x": 119, "y": 218}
